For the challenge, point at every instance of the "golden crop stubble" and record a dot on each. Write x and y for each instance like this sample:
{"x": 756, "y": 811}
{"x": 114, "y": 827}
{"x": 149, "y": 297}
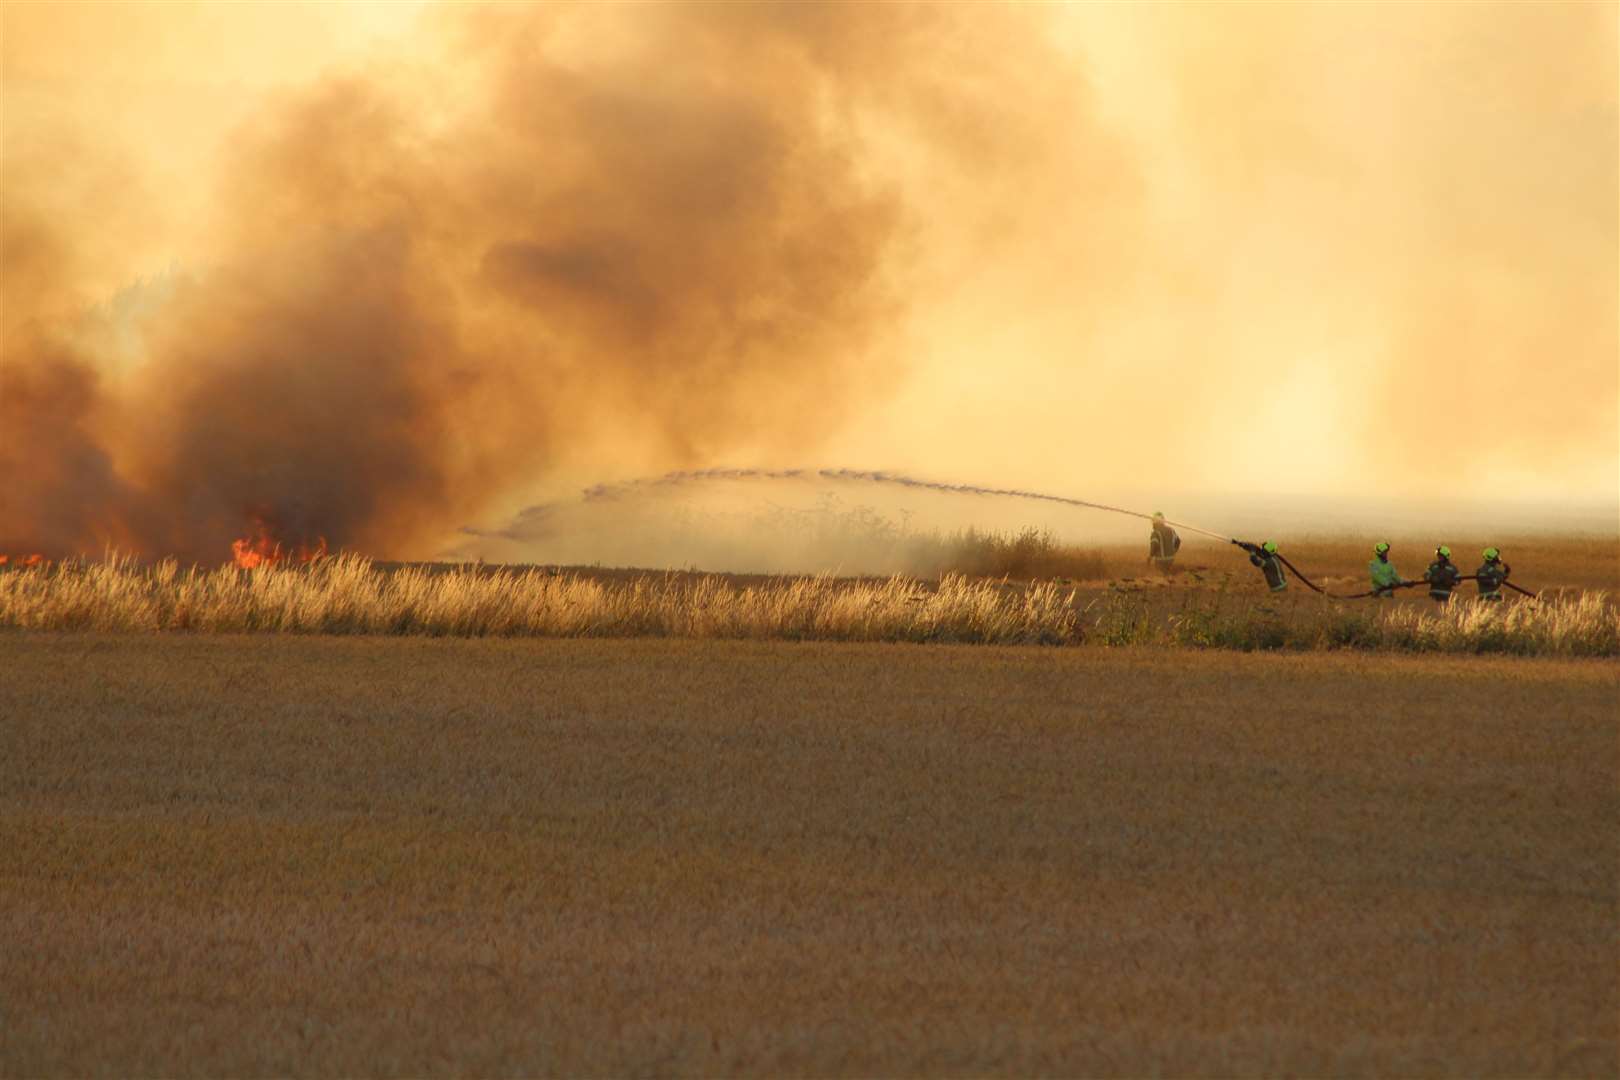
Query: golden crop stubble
{"x": 235, "y": 854}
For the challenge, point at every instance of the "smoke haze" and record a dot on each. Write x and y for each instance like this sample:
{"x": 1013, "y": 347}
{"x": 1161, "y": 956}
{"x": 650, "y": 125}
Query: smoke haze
{"x": 371, "y": 272}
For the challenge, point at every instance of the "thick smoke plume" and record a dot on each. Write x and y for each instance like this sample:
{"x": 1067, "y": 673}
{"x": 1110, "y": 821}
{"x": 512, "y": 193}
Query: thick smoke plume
{"x": 1145, "y": 253}
{"x": 658, "y": 232}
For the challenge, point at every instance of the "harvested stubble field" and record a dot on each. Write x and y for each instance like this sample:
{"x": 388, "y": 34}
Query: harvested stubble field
{"x": 278, "y": 854}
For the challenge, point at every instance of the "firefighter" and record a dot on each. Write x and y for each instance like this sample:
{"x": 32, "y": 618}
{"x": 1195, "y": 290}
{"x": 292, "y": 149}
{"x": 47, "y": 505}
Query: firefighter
{"x": 1163, "y": 543}
{"x": 1491, "y": 576}
{"x": 1264, "y": 555}
{"x": 1441, "y": 575}
{"x": 1384, "y": 575}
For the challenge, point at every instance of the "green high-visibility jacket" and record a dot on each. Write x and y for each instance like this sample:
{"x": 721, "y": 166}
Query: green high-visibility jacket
{"x": 1384, "y": 575}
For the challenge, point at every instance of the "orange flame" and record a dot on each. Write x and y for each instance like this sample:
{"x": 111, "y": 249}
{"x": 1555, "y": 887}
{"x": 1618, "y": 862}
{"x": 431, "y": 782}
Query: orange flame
{"x": 263, "y": 549}
{"x": 25, "y": 561}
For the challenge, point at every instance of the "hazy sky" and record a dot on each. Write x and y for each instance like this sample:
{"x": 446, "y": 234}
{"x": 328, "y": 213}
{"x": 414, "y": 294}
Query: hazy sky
{"x": 466, "y": 257}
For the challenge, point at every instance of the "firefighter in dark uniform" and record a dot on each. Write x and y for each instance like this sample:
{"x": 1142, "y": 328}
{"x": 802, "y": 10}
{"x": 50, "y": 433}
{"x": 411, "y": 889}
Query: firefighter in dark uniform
{"x": 1163, "y": 543}
{"x": 1491, "y": 576}
{"x": 1264, "y": 555}
{"x": 1442, "y": 575}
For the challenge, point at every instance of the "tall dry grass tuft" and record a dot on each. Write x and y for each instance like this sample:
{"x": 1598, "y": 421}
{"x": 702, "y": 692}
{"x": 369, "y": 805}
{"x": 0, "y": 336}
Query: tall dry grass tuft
{"x": 347, "y": 595}
{"x": 1032, "y": 553}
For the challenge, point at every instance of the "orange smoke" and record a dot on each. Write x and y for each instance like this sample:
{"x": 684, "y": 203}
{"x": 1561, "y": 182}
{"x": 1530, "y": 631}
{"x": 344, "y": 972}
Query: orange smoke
{"x": 658, "y": 238}
{"x": 385, "y": 296}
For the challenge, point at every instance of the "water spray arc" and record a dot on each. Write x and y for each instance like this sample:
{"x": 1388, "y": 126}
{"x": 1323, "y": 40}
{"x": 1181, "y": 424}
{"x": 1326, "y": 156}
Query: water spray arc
{"x": 679, "y": 478}
{"x": 869, "y": 476}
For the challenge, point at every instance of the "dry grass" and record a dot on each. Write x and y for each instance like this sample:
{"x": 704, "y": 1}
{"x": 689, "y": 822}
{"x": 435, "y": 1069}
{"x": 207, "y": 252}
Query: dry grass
{"x": 226, "y": 855}
{"x": 346, "y": 595}
{"x": 349, "y": 595}
{"x": 1585, "y": 624}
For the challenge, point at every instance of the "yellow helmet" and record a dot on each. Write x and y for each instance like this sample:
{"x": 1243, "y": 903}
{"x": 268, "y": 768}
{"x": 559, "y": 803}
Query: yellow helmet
{"x": 1443, "y": 551}
{"x": 1381, "y": 547}
{"x": 1492, "y": 554}
{"x": 1270, "y": 547}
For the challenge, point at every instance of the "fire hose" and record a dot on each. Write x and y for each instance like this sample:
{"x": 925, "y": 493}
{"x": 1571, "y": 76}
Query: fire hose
{"x": 1309, "y": 584}
{"x": 1255, "y": 549}
{"x": 1314, "y": 587}
{"x": 1409, "y": 584}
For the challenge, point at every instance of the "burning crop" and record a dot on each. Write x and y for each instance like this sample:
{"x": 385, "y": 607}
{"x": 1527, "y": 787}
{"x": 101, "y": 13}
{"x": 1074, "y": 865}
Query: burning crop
{"x": 262, "y": 548}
